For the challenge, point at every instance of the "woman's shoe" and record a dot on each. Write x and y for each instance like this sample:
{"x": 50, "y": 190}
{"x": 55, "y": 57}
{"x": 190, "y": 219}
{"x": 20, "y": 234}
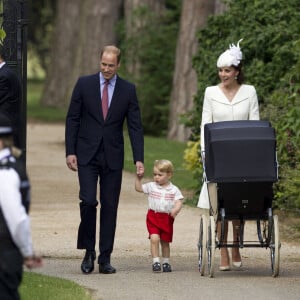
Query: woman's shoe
{"x": 237, "y": 264}
{"x": 236, "y": 258}
{"x": 224, "y": 263}
{"x": 224, "y": 268}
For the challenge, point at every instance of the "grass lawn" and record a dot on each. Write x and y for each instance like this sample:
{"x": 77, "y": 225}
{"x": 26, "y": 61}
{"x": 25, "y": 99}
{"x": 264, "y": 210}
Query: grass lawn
{"x": 161, "y": 148}
{"x": 40, "y": 287}
{"x": 34, "y": 109}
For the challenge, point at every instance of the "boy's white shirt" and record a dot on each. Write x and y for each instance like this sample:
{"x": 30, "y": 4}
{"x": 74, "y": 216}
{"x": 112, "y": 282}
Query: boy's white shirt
{"x": 161, "y": 199}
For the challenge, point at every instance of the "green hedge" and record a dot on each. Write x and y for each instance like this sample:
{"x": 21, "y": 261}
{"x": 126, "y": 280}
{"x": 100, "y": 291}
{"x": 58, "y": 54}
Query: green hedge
{"x": 271, "y": 39}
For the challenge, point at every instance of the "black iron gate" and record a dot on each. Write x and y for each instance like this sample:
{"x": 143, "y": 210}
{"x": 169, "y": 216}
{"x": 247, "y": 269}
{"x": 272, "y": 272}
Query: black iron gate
{"x": 14, "y": 20}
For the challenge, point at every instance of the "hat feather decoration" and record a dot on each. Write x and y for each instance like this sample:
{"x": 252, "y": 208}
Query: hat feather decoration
{"x": 231, "y": 57}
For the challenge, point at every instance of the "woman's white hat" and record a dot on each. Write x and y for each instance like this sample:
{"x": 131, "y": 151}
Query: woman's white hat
{"x": 231, "y": 57}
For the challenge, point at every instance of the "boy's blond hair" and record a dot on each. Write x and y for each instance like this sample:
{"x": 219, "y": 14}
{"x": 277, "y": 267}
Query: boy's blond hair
{"x": 164, "y": 165}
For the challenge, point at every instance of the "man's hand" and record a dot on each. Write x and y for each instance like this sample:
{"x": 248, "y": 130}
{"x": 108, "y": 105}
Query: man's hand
{"x": 139, "y": 169}
{"x": 71, "y": 162}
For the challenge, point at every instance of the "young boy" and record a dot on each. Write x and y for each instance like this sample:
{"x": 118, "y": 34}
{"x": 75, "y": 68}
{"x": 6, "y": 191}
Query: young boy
{"x": 15, "y": 235}
{"x": 165, "y": 201}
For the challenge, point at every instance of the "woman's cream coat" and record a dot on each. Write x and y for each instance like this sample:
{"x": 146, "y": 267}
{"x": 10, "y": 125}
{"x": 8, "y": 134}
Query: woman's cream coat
{"x": 217, "y": 108}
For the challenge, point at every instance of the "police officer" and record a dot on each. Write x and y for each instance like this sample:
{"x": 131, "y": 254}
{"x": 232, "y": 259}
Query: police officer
{"x": 15, "y": 235}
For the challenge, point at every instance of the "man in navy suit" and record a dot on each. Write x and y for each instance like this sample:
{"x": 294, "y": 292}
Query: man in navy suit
{"x": 95, "y": 148}
{"x": 10, "y": 96}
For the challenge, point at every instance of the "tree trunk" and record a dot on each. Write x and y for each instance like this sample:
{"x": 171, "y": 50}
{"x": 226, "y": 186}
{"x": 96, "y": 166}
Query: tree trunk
{"x": 193, "y": 16}
{"x": 220, "y": 7}
{"x": 82, "y": 29}
{"x": 133, "y": 23}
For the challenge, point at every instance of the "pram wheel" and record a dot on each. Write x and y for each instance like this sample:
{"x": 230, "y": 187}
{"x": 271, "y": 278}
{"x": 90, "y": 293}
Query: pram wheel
{"x": 211, "y": 245}
{"x": 275, "y": 247}
{"x": 202, "y": 242}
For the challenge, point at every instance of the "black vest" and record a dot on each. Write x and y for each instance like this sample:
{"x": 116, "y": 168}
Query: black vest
{"x": 6, "y": 241}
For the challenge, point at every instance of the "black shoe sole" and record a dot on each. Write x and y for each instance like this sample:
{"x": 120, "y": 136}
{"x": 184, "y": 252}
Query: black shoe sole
{"x": 87, "y": 272}
{"x": 107, "y": 272}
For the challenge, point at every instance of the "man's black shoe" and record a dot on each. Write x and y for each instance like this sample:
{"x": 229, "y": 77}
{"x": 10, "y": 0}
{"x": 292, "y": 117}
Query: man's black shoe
{"x": 106, "y": 268}
{"x": 87, "y": 265}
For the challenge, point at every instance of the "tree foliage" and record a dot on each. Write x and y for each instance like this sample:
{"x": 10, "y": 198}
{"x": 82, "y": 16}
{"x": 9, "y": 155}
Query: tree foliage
{"x": 271, "y": 36}
{"x": 42, "y": 15}
{"x": 2, "y": 35}
{"x": 2, "y": 32}
{"x": 155, "y": 45}
{"x": 283, "y": 110}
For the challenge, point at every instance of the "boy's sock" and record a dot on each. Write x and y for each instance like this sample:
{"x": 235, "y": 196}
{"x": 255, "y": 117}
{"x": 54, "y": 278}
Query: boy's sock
{"x": 165, "y": 260}
{"x": 156, "y": 259}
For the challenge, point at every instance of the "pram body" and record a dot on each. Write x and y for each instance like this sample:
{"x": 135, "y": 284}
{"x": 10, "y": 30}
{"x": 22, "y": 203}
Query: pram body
{"x": 240, "y": 159}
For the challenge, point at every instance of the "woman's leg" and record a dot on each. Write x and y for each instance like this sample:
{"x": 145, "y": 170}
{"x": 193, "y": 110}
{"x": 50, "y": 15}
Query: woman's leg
{"x": 224, "y": 262}
{"x": 236, "y": 257}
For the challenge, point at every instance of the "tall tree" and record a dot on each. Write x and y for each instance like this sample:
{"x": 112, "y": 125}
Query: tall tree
{"x": 149, "y": 43}
{"x": 40, "y": 28}
{"x": 220, "y": 7}
{"x": 194, "y": 15}
{"x": 82, "y": 28}
{"x": 134, "y": 22}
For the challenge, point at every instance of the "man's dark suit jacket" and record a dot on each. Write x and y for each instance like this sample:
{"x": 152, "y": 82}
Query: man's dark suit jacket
{"x": 86, "y": 127}
{"x": 10, "y": 98}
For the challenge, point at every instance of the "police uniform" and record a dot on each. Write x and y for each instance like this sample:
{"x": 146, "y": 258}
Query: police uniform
{"x": 15, "y": 234}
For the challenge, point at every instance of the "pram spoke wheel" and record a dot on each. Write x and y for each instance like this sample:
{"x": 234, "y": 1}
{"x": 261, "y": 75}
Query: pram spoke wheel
{"x": 202, "y": 242}
{"x": 211, "y": 246}
{"x": 275, "y": 247}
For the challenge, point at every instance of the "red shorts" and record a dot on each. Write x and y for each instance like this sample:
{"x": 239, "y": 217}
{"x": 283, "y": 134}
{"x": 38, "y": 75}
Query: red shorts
{"x": 161, "y": 224}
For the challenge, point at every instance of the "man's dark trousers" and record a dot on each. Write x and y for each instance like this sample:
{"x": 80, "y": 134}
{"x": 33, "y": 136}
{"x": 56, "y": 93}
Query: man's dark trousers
{"x": 110, "y": 187}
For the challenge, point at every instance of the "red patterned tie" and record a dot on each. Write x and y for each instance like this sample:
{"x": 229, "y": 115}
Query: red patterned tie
{"x": 105, "y": 99}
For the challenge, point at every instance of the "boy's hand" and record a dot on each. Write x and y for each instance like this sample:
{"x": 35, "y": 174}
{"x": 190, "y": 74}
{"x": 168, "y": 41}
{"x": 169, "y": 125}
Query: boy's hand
{"x": 33, "y": 261}
{"x": 174, "y": 213}
{"x": 138, "y": 181}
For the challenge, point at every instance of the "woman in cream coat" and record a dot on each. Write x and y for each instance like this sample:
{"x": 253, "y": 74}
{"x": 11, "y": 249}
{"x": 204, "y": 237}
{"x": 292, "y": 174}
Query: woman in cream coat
{"x": 227, "y": 101}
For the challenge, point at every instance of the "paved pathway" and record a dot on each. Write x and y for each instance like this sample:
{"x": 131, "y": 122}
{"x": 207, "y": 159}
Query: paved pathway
{"x": 55, "y": 217}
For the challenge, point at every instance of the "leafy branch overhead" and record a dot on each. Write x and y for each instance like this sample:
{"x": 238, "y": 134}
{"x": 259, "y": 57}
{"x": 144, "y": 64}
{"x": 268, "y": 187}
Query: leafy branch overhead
{"x": 2, "y": 35}
{"x": 271, "y": 48}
